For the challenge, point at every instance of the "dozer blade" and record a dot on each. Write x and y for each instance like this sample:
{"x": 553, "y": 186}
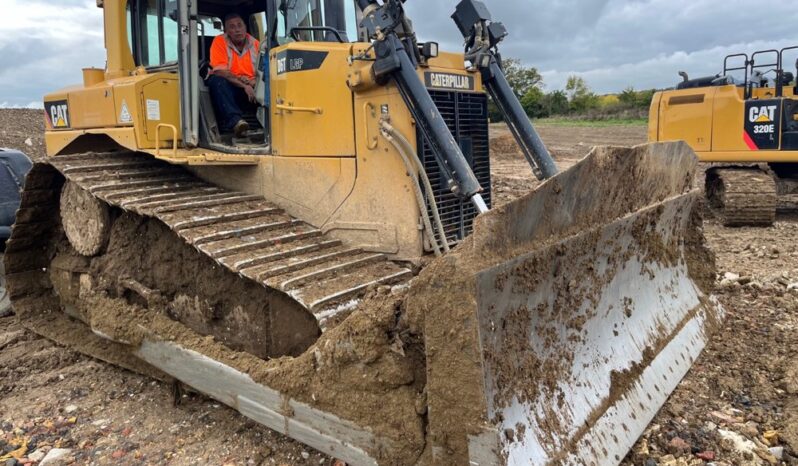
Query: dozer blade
{"x": 584, "y": 340}
{"x": 552, "y": 335}
{"x": 589, "y": 307}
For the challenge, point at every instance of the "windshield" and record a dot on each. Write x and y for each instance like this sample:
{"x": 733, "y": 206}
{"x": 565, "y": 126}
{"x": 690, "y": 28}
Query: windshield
{"x": 317, "y": 21}
{"x": 152, "y": 31}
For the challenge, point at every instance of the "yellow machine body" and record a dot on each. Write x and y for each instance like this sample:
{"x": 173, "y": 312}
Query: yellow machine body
{"x": 285, "y": 271}
{"x": 713, "y": 121}
{"x": 327, "y": 163}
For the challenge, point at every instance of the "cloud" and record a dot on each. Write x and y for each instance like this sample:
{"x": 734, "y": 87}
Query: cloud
{"x": 45, "y": 45}
{"x": 36, "y": 105}
{"x": 618, "y": 43}
{"x": 611, "y": 43}
{"x": 661, "y": 71}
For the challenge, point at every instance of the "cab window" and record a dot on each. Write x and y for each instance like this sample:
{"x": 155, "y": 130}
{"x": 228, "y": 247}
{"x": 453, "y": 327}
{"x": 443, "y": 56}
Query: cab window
{"x": 153, "y": 32}
{"x": 302, "y": 20}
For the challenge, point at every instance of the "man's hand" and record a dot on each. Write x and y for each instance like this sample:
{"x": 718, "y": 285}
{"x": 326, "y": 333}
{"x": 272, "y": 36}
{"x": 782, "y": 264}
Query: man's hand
{"x": 250, "y": 93}
{"x": 239, "y": 81}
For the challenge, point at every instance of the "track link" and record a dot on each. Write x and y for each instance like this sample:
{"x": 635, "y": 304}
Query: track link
{"x": 244, "y": 233}
{"x": 742, "y": 196}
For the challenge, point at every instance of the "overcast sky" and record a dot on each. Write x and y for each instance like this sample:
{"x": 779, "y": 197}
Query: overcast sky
{"x": 613, "y": 44}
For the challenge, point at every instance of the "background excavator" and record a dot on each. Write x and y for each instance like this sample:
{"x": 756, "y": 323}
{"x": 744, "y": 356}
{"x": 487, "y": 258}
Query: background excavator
{"x": 746, "y": 126}
{"x": 337, "y": 274}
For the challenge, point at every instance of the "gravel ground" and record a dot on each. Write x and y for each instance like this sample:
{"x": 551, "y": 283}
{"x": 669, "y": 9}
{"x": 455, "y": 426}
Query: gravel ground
{"x": 738, "y": 404}
{"x": 23, "y": 129}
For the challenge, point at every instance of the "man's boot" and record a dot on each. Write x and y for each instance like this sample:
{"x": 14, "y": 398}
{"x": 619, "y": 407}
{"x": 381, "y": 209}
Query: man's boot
{"x": 241, "y": 128}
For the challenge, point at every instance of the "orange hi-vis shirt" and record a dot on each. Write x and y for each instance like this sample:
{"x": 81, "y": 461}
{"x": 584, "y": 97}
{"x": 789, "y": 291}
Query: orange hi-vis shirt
{"x": 225, "y": 56}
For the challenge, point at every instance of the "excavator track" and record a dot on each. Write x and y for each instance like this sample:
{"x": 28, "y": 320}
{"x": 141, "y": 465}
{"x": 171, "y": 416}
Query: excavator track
{"x": 742, "y": 196}
{"x": 243, "y": 233}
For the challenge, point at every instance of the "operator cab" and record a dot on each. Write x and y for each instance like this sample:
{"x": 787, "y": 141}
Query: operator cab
{"x": 173, "y": 35}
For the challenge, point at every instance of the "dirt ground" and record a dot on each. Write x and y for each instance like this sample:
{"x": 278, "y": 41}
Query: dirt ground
{"x": 738, "y": 405}
{"x": 23, "y": 130}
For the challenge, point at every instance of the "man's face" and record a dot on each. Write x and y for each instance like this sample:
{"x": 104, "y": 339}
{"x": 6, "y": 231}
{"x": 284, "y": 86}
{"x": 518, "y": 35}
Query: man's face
{"x": 236, "y": 30}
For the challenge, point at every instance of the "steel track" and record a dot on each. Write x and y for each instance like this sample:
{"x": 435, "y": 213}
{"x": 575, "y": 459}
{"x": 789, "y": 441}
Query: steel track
{"x": 742, "y": 196}
{"x": 244, "y": 233}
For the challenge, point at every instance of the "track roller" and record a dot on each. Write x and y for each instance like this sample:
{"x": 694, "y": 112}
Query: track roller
{"x": 86, "y": 220}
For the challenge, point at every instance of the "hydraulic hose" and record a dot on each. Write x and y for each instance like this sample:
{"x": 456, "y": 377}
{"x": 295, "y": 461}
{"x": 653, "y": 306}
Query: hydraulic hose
{"x": 417, "y": 190}
{"x": 410, "y": 152}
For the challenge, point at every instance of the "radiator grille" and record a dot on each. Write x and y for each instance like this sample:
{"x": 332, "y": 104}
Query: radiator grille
{"x": 466, "y": 114}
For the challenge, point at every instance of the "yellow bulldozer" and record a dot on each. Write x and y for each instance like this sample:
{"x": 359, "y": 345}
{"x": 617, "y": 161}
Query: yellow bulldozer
{"x": 744, "y": 121}
{"x": 337, "y": 272}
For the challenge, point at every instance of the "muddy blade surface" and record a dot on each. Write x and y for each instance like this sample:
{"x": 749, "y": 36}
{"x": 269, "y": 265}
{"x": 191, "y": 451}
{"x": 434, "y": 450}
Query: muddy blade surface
{"x": 583, "y": 341}
{"x": 588, "y": 308}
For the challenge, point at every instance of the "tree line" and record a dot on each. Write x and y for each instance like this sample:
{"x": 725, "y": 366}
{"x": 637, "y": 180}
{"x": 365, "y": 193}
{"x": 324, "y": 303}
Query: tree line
{"x": 576, "y": 100}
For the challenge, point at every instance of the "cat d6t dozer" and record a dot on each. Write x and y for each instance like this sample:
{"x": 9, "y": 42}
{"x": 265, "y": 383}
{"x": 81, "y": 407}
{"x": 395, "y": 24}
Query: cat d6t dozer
{"x": 336, "y": 273}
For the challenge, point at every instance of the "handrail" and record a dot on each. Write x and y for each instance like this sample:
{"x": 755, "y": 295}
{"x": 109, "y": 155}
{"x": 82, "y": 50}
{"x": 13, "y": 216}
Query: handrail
{"x": 291, "y": 108}
{"x": 750, "y": 66}
{"x": 781, "y": 60}
{"x": 335, "y": 32}
{"x": 754, "y": 66}
{"x": 726, "y": 68}
{"x": 158, "y": 139}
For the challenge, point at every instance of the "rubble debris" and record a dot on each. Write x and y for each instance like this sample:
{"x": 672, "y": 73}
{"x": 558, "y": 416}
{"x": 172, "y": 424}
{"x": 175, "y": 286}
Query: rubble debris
{"x": 55, "y": 455}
